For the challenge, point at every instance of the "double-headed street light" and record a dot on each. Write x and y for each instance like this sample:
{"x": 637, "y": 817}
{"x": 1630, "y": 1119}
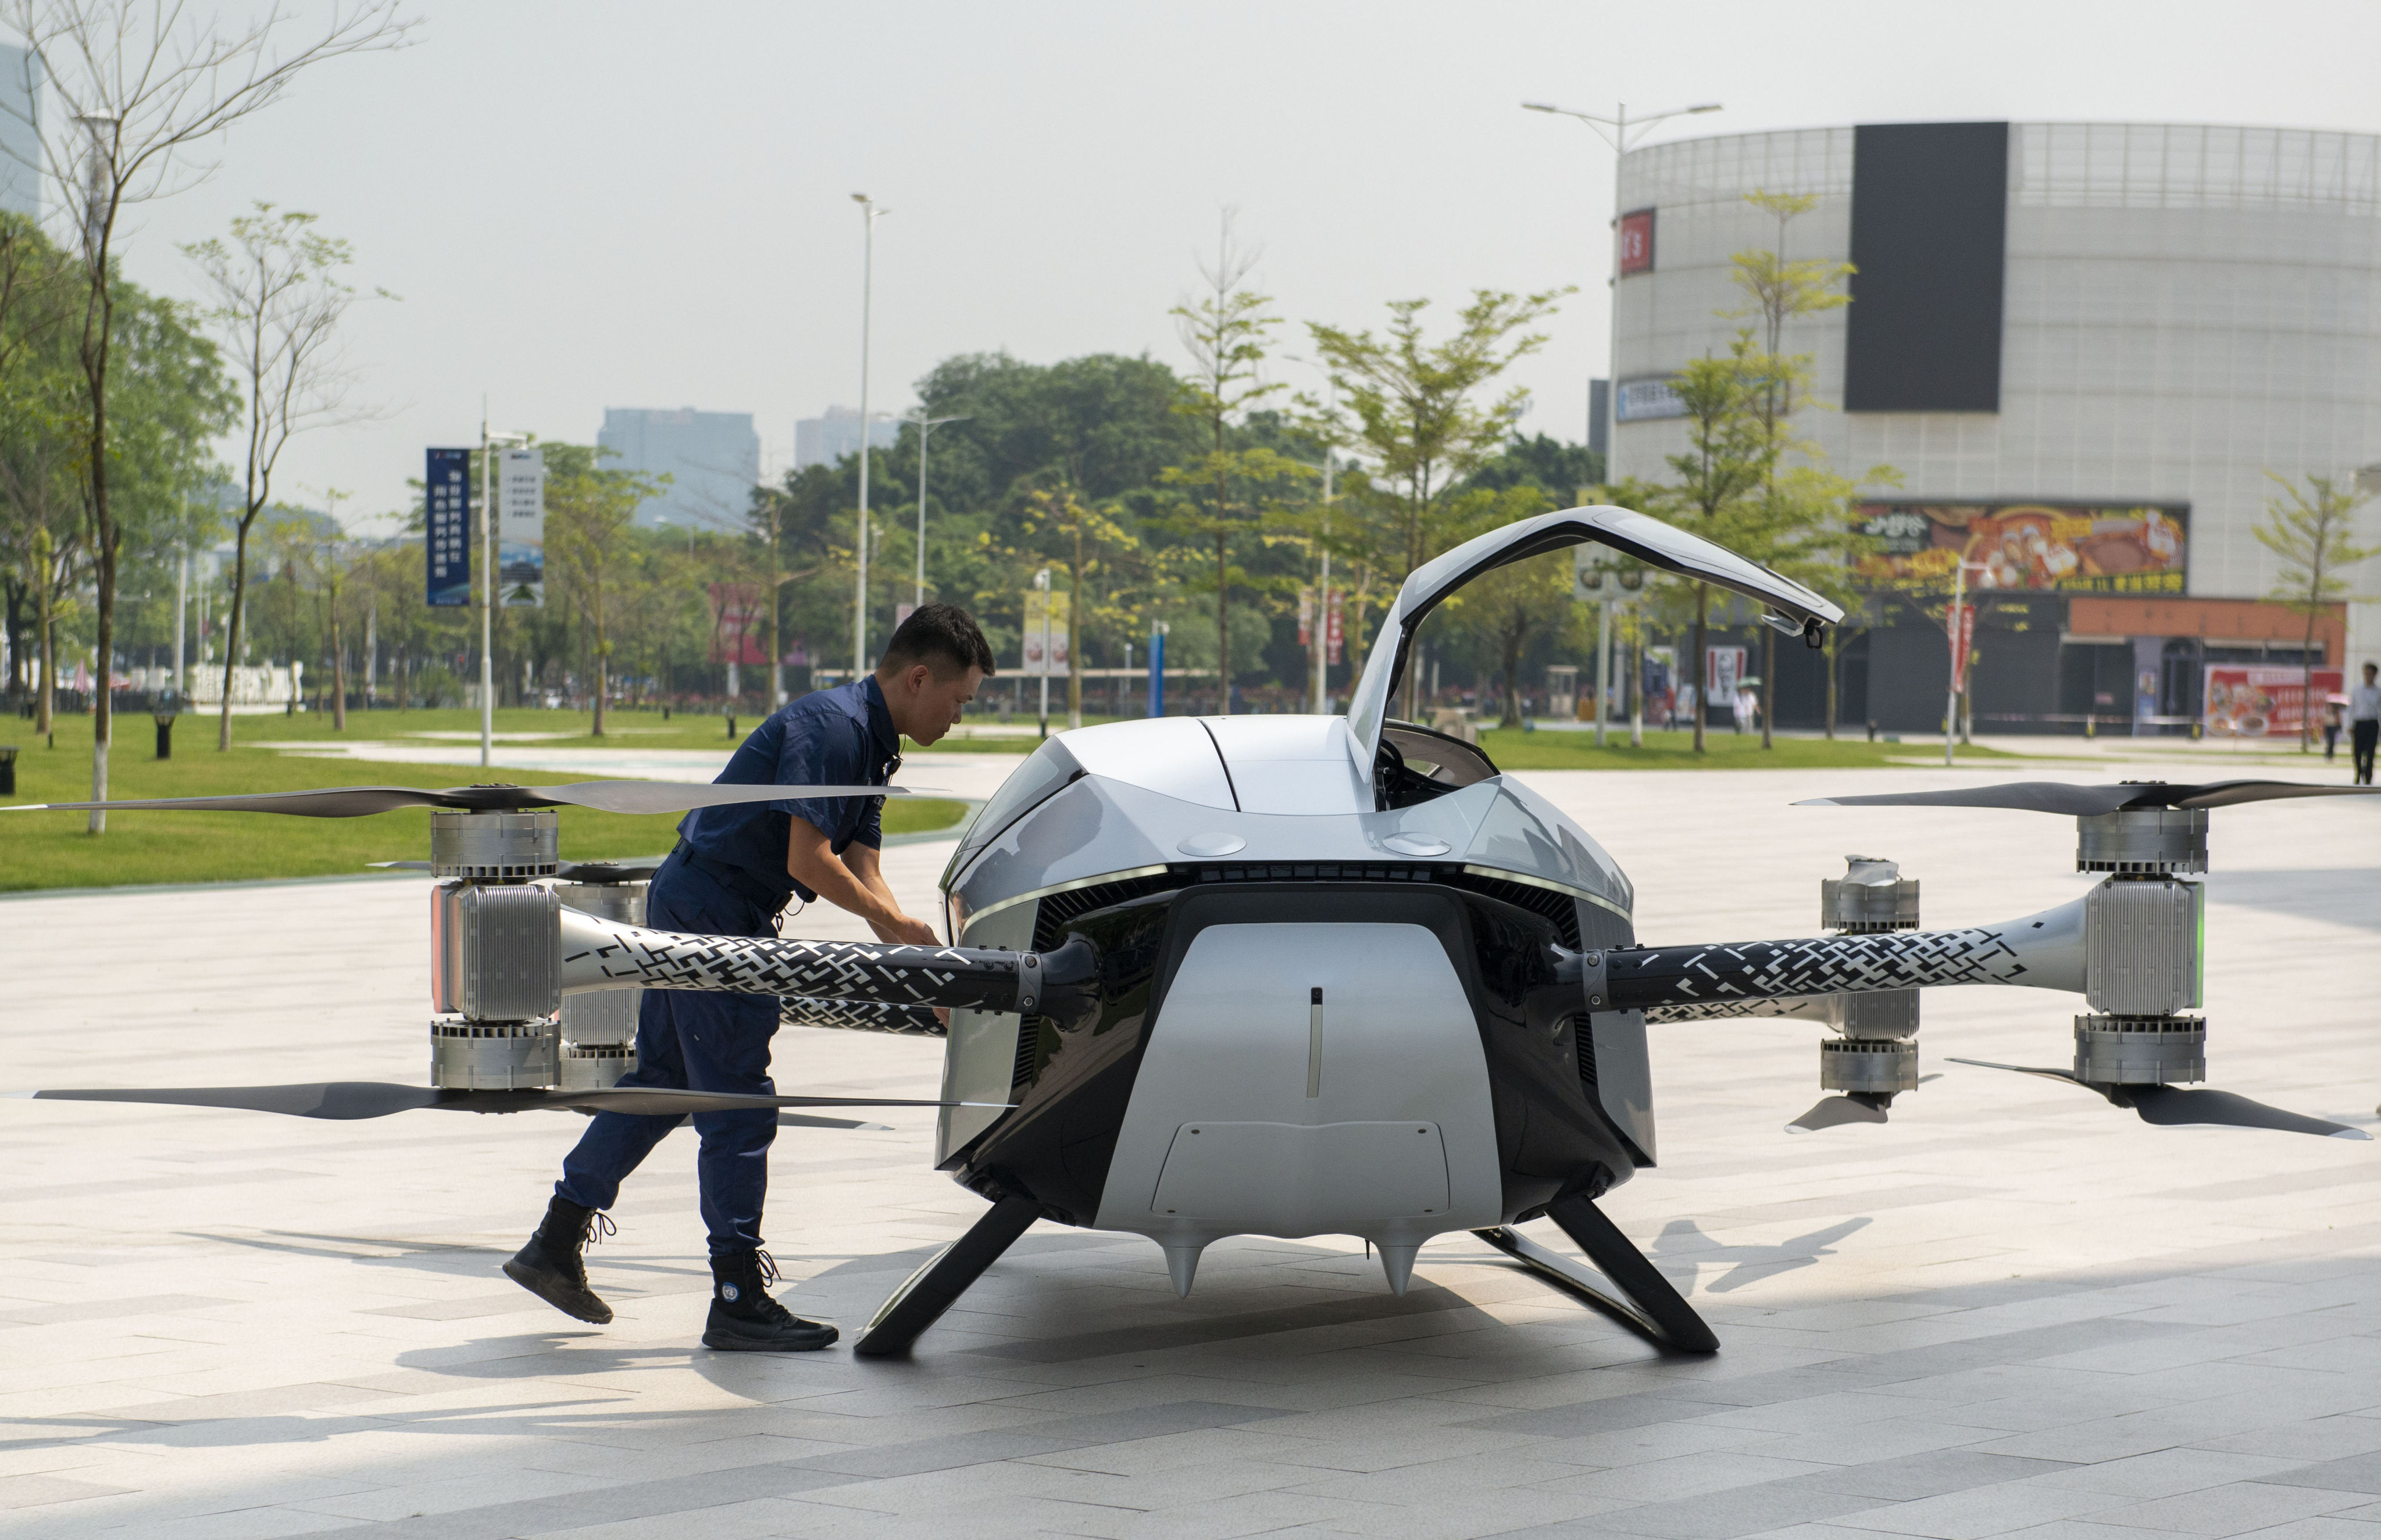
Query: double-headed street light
{"x": 1623, "y": 133}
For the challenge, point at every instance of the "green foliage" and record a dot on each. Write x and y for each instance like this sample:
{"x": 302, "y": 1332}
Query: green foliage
{"x": 2314, "y": 535}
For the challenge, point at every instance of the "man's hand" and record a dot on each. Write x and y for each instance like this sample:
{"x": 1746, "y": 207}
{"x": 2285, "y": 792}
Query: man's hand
{"x": 854, "y": 882}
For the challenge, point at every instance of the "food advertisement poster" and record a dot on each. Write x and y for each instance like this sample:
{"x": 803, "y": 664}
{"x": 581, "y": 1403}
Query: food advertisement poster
{"x": 2041, "y": 547}
{"x": 2248, "y": 700}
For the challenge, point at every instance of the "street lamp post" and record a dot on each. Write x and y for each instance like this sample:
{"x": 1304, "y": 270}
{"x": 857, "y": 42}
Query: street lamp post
{"x": 925, "y": 425}
{"x": 488, "y": 578}
{"x": 870, "y": 214}
{"x": 1041, "y": 582}
{"x": 1623, "y": 133}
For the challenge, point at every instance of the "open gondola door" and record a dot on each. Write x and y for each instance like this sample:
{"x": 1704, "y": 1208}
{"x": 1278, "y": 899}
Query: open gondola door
{"x": 1794, "y": 608}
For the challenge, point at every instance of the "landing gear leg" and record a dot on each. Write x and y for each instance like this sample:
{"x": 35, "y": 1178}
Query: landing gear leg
{"x": 935, "y": 1288}
{"x": 1653, "y": 1309}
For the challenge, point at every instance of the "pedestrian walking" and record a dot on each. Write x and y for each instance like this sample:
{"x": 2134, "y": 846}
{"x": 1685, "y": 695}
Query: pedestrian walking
{"x": 2364, "y": 723}
{"x": 2333, "y": 707}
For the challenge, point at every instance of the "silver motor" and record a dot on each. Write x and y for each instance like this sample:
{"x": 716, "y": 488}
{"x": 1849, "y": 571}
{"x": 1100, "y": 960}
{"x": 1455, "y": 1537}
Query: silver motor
{"x": 495, "y": 963}
{"x": 599, "y": 1028}
{"x": 1876, "y": 1053}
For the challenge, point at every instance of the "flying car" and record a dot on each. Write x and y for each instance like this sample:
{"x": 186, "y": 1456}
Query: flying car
{"x": 1295, "y": 975}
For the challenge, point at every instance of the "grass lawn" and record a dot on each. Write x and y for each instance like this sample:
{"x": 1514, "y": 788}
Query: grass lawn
{"x": 560, "y": 729}
{"x": 1515, "y": 750}
{"x": 53, "y": 849}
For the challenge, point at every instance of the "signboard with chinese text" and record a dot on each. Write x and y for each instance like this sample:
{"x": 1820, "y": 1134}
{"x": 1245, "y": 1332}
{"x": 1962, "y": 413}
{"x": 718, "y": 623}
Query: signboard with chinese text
{"x": 520, "y": 528}
{"x": 1034, "y": 665}
{"x": 2047, "y": 547}
{"x": 1647, "y": 398}
{"x": 2255, "y": 699}
{"x": 446, "y": 527}
{"x": 1636, "y": 242}
{"x": 1331, "y": 629}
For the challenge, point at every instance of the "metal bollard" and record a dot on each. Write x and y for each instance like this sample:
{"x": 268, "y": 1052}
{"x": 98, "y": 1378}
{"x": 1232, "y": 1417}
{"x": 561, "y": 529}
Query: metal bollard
{"x": 731, "y": 726}
{"x": 164, "y": 721}
{"x": 8, "y": 769}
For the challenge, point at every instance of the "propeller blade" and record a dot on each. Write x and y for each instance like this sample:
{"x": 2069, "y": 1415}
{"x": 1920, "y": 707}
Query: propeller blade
{"x": 2171, "y": 1106}
{"x": 359, "y": 801}
{"x": 347, "y": 1100}
{"x": 2084, "y": 801}
{"x": 2174, "y": 1107}
{"x": 801, "y": 1121}
{"x": 1833, "y": 1112}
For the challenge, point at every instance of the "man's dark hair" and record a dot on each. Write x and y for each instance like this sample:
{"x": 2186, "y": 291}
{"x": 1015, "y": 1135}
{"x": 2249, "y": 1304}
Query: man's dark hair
{"x": 943, "y": 637}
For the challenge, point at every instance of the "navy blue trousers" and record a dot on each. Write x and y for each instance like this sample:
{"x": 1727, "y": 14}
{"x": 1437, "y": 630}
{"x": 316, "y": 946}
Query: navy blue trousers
{"x": 693, "y": 1040}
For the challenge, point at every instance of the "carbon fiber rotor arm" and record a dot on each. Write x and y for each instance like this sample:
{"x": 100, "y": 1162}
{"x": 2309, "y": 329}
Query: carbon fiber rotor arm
{"x": 2040, "y": 952}
{"x": 604, "y": 954}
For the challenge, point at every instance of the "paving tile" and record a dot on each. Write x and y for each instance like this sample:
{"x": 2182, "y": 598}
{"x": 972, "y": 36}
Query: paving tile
{"x": 2235, "y": 1508}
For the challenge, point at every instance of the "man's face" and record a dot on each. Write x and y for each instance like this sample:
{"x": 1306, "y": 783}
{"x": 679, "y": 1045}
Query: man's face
{"x": 925, "y": 707}
{"x": 2369, "y": 671}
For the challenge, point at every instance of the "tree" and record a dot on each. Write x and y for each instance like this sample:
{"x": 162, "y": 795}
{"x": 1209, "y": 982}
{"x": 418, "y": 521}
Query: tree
{"x": 1730, "y": 453}
{"x": 148, "y": 90}
{"x": 41, "y": 504}
{"x": 278, "y": 302}
{"x": 1779, "y": 290}
{"x": 589, "y": 511}
{"x": 2313, "y": 532}
{"x": 1417, "y": 415}
{"x": 1081, "y": 534}
{"x": 1224, "y": 331}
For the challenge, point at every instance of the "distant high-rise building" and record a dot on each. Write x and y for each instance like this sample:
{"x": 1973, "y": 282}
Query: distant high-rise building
{"x": 826, "y": 439}
{"x": 20, "y": 138}
{"x": 713, "y": 460}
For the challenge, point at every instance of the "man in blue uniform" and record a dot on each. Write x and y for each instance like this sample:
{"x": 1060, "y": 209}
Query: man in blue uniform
{"x": 733, "y": 871}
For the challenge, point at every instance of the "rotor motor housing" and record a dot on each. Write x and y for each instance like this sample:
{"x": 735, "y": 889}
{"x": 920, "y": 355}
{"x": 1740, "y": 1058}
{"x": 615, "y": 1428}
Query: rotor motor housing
{"x": 2139, "y": 842}
{"x": 599, "y": 1028}
{"x": 1876, "y": 1053}
{"x": 495, "y": 847}
{"x": 2140, "y": 1050}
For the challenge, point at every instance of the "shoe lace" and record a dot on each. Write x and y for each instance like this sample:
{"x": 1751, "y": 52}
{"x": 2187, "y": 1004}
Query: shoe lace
{"x": 764, "y": 1304}
{"x": 599, "y": 1225}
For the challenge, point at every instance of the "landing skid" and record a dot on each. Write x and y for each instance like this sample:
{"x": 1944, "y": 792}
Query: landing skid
{"x": 1653, "y": 1309}
{"x": 935, "y": 1288}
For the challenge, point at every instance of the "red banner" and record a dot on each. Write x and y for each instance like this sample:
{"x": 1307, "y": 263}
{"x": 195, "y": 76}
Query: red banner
{"x": 2248, "y": 700}
{"x": 1963, "y": 642}
{"x": 740, "y": 623}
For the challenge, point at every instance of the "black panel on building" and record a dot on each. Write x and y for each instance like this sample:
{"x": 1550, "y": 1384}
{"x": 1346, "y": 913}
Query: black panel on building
{"x": 1930, "y": 215}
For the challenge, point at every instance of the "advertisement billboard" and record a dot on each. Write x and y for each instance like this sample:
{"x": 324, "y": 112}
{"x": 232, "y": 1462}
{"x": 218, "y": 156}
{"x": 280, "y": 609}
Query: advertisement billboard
{"x": 520, "y": 528}
{"x": 1034, "y": 664}
{"x": 1636, "y": 241}
{"x": 2251, "y": 700}
{"x": 446, "y": 527}
{"x": 2047, "y": 547}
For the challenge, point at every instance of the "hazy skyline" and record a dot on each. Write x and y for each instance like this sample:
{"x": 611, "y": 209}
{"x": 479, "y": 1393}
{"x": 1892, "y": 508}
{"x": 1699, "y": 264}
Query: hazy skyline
{"x": 651, "y": 208}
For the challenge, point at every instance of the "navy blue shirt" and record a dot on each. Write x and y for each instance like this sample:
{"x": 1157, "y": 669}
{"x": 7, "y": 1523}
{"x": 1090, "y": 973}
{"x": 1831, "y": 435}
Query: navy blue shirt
{"x": 839, "y": 737}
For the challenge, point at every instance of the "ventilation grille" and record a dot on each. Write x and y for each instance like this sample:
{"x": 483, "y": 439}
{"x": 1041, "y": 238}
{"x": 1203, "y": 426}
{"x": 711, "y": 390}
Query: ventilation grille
{"x": 1051, "y": 914}
{"x": 1583, "y": 1032}
{"x": 1560, "y": 909}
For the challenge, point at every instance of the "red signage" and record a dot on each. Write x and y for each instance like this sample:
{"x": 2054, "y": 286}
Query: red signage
{"x": 739, "y": 628}
{"x": 1637, "y": 242}
{"x": 1963, "y": 640}
{"x": 2262, "y": 700}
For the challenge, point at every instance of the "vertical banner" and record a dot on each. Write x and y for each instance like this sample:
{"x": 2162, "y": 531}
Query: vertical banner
{"x": 1722, "y": 668}
{"x": 1332, "y": 633}
{"x": 446, "y": 527}
{"x": 520, "y": 528}
{"x": 1961, "y": 626}
{"x": 1157, "y": 670}
{"x": 1034, "y": 664}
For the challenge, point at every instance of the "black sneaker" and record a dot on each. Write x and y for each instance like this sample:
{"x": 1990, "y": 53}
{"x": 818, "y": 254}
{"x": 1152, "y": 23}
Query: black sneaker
{"x": 745, "y": 1319}
{"x": 550, "y": 1267}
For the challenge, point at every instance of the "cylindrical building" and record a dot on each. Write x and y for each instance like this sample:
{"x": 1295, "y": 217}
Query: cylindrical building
{"x": 2083, "y": 348}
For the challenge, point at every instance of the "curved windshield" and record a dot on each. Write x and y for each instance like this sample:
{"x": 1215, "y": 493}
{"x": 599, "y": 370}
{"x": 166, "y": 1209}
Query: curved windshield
{"x": 1046, "y": 772}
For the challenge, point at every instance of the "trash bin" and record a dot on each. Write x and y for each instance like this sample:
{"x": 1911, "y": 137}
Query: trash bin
{"x": 8, "y": 769}
{"x": 164, "y": 721}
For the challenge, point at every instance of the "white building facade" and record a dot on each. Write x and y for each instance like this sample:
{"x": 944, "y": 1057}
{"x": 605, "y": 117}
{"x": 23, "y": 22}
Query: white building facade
{"x": 2175, "y": 313}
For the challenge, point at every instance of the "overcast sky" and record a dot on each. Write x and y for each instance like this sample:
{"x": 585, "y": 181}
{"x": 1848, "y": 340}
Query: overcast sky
{"x": 594, "y": 205}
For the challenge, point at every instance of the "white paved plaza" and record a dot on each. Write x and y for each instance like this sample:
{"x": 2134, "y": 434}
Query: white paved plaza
{"x": 2014, "y": 1310}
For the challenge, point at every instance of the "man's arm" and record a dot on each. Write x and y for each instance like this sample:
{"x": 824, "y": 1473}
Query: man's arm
{"x": 853, "y": 882}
